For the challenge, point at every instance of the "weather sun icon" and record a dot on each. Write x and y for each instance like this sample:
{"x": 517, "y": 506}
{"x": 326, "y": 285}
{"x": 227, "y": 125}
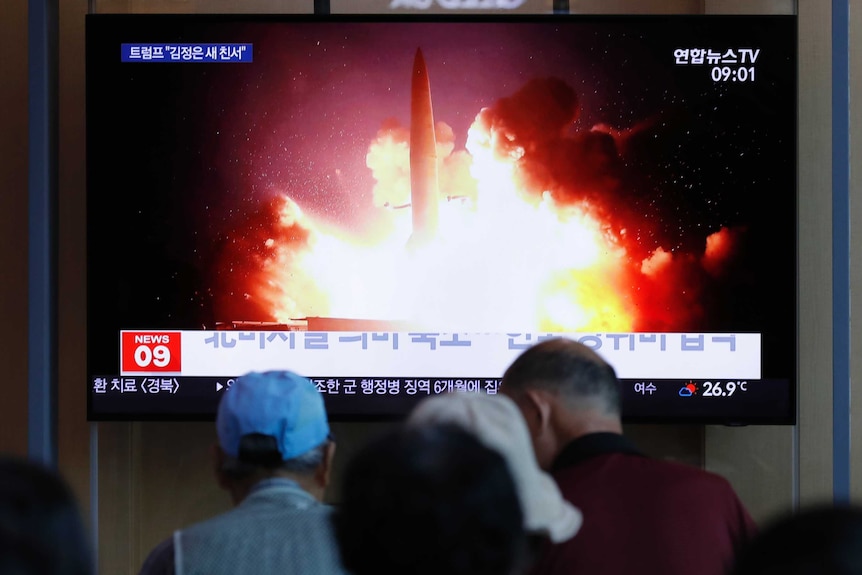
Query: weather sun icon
{"x": 688, "y": 390}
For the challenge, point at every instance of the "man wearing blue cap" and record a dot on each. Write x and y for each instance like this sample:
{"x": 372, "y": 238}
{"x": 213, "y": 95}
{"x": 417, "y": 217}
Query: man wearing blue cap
{"x": 274, "y": 458}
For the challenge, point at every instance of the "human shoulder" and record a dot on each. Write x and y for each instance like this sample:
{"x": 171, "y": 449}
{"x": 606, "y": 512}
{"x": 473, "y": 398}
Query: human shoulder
{"x": 291, "y": 509}
{"x": 613, "y": 460}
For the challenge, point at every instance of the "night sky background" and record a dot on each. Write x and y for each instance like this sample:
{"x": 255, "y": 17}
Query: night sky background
{"x": 185, "y": 161}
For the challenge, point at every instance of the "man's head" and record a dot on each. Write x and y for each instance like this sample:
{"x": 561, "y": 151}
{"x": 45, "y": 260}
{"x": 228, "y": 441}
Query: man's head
{"x": 429, "y": 500}
{"x": 41, "y": 531}
{"x": 272, "y": 424}
{"x": 565, "y": 390}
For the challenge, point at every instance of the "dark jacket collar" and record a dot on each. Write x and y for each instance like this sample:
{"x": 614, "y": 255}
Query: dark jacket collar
{"x": 592, "y": 445}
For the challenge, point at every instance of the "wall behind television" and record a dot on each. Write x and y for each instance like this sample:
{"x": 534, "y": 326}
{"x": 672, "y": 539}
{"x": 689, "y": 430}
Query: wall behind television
{"x": 153, "y": 477}
{"x": 13, "y": 226}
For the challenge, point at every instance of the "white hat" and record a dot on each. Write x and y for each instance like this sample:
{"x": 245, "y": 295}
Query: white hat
{"x": 498, "y": 423}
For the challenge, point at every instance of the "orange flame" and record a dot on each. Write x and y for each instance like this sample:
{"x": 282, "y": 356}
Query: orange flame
{"x": 502, "y": 262}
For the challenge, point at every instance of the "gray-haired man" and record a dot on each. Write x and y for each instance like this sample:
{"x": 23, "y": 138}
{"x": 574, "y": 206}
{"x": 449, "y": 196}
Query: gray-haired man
{"x": 274, "y": 458}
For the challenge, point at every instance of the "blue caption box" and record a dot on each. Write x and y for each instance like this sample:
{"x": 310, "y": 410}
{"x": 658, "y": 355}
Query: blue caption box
{"x": 173, "y": 52}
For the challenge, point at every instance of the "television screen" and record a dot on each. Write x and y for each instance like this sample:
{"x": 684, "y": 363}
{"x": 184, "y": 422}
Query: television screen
{"x": 398, "y": 206}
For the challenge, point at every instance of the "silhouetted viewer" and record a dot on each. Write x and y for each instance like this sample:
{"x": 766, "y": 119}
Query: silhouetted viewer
{"x": 816, "y": 541}
{"x": 274, "y": 457}
{"x": 641, "y": 515}
{"x": 497, "y": 423}
{"x": 430, "y": 500}
{"x": 41, "y": 532}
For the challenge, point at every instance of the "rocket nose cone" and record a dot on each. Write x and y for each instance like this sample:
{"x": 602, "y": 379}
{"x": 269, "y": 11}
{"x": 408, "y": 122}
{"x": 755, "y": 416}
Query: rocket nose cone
{"x": 419, "y": 62}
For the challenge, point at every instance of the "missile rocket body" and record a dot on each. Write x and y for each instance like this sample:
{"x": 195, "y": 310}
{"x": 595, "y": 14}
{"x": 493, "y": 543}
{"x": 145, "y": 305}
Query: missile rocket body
{"x": 424, "y": 196}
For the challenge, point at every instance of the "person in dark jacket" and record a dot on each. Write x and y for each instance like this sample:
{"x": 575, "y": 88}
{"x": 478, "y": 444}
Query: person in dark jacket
{"x": 641, "y": 515}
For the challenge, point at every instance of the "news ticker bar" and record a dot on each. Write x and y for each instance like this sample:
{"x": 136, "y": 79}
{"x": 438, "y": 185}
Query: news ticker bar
{"x": 415, "y": 354}
{"x": 116, "y": 395}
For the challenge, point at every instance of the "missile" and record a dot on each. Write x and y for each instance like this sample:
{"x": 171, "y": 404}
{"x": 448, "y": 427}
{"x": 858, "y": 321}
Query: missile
{"x": 424, "y": 195}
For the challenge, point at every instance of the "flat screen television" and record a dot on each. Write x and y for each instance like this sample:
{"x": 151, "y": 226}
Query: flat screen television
{"x": 397, "y": 206}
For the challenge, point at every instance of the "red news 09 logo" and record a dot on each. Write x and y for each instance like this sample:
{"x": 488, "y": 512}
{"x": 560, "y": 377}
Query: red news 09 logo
{"x": 150, "y": 351}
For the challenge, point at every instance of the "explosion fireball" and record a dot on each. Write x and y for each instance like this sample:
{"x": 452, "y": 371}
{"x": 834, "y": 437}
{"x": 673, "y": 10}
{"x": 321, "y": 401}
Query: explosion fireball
{"x": 530, "y": 237}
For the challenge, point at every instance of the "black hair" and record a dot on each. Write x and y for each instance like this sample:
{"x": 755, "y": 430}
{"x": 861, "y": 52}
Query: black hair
{"x": 41, "y": 531}
{"x": 567, "y": 367}
{"x": 258, "y": 453}
{"x": 821, "y": 540}
{"x": 429, "y": 500}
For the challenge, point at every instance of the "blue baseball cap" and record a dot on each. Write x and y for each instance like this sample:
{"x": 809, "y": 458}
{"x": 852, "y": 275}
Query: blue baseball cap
{"x": 281, "y": 404}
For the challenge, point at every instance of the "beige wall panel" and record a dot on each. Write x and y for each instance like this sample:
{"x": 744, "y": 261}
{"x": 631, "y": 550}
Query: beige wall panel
{"x": 153, "y": 478}
{"x": 758, "y": 462}
{"x": 679, "y": 443}
{"x": 176, "y": 482}
{"x": 750, "y": 6}
{"x": 73, "y": 428}
{"x": 856, "y": 244}
{"x": 13, "y": 225}
{"x": 119, "y": 500}
{"x": 636, "y": 7}
{"x": 202, "y": 6}
{"x": 815, "y": 251}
